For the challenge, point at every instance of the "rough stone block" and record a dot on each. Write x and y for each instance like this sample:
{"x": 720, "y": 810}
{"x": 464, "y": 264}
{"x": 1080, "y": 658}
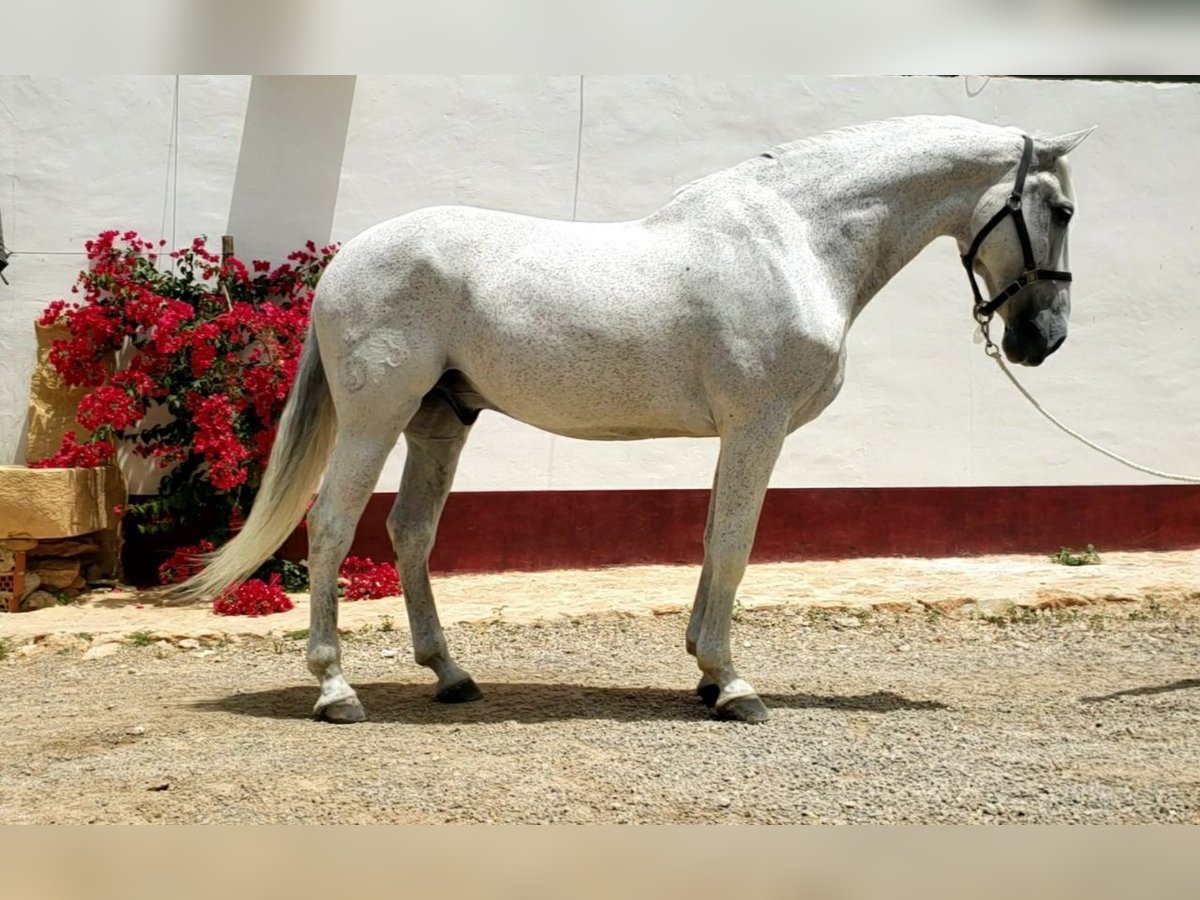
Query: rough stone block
{"x": 39, "y": 600}
{"x": 18, "y": 543}
{"x": 53, "y": 503}
{"x": 31, "y": 583}
{"x": 115, "y": 493}
{"x": 57, "y": 573}
{"x": 60, "y": 548}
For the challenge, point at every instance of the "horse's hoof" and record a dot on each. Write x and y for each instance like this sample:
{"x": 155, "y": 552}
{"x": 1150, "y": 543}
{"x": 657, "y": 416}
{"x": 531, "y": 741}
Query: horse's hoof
{"x": 464, "y": 691}
{"x": 744, "y": 709}
{"x": 342, "y": 712}
{"x": 708, "y": 693}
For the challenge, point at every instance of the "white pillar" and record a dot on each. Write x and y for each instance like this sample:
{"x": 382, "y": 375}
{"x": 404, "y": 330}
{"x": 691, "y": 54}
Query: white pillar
{"x": 290, "y": 163}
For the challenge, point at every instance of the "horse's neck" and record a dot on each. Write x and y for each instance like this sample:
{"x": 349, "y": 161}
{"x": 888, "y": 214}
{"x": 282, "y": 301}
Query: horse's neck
{"x": 877, "y": 203}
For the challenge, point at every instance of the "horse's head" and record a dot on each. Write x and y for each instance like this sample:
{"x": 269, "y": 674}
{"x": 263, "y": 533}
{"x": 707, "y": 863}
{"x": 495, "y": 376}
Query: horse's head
{"x": 1024, "y": 261}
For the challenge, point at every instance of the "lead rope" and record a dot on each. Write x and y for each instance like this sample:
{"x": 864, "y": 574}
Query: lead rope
{"x": 994, "y": 352}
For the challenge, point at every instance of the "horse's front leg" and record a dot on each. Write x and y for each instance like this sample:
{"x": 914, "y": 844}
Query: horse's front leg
{"x": 706, "y": 690}
{"x": 748, "y": 455}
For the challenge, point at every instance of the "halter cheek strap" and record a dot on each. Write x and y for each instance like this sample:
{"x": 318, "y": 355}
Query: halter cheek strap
{"x": 985, "y": 309}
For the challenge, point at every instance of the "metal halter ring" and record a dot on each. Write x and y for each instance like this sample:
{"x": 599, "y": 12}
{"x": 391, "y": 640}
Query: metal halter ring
{"x": 984, "y": 319}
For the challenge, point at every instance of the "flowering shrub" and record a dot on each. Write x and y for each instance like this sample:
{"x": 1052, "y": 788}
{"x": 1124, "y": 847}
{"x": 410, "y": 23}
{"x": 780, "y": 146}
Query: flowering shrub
{"x": 212, "y": 348}
{"x": 364, "y": 579}
{"x": 253, "y": 598}
{"x": 184, "y": 563}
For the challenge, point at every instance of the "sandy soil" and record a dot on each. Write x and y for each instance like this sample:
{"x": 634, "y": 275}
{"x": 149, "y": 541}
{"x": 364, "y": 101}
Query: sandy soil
{"x": 985, "y": 583}
{"x": 901, "y": 691}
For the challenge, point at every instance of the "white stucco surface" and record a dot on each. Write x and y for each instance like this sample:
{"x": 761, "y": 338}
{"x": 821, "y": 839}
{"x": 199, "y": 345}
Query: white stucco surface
{"x": 290, "y": 163}
{"x": 921, "y": 404}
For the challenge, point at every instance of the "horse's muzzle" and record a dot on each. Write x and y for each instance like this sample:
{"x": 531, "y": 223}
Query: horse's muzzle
{"x": 1028, "y": 342}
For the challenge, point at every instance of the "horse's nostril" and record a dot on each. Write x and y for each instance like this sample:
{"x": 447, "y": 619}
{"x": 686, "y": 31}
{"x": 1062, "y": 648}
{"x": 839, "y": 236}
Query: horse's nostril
{"x": 1057, "y": 343}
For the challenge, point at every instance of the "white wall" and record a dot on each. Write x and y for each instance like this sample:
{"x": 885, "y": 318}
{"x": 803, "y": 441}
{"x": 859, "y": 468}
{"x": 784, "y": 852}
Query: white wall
{"x": 79, "y": 155}
{"x": 921, "y": 404}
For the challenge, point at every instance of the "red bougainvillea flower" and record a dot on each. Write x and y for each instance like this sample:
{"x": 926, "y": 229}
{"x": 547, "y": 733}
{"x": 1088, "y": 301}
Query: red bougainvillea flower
{"x": 202, "y": 341}
{"x": 364, "y": 579}
{"x": 184, "y": 563}
{"x": 109, "y": 405}
{"x": 254, "y": 598}
{"x": 216, "y": 442}
{"x": 75, "y": 455}
{"x": 137, "y": 382}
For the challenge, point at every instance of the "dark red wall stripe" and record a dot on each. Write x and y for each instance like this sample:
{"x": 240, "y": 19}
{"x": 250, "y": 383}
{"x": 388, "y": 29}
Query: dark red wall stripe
{"x": 532, "y": 530}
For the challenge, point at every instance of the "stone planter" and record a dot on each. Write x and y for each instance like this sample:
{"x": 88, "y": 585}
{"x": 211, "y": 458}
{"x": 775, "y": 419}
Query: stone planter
{"x": 58, "y": 522}
{"x": 57, "y": 526}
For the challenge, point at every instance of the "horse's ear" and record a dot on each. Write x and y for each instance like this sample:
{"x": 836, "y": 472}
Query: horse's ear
{"x": 1059, "y": 146}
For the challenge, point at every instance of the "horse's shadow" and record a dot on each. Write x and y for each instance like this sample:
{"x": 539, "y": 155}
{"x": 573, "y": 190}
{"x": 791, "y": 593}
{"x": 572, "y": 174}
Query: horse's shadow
{"x": 1149, "y": 690}
{"x": 537, "y": 702}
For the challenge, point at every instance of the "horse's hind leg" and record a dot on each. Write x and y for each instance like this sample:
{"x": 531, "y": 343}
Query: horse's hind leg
{"x": 358, "y": 456}
{"x": 748, "y": 455}
{"x": 435, "y": 437}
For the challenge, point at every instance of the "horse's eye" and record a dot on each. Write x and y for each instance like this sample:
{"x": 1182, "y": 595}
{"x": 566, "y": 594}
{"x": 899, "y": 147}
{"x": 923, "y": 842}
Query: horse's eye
{"x": 1062, "y": 215}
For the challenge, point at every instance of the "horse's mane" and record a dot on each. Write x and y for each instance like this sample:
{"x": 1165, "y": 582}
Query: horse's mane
{"x": 907, "y": 124}
{"x": 826, "y": 138}
{"x": 843, "y": 135}
{"x": 899, "y": 125}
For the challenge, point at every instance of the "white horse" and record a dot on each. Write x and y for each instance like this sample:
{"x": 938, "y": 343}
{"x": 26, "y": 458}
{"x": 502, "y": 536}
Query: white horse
{"x": 723, "y": 314}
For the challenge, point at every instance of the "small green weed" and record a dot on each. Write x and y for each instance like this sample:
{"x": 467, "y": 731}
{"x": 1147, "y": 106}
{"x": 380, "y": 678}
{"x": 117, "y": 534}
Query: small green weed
{"x": 816, "y": 616}
{"x": 1068, "y": 557}
{"x": 934, "y": 615}
{"x": 387, "y": 623}
{"x": 1012, "y": 615}
{"x": 1151, "y": 610}
{"x": 293, "y": 576}
{"x": 140, "y": 638}
{"x": 1025, "y": 615}
{"x": 300, "y": 634}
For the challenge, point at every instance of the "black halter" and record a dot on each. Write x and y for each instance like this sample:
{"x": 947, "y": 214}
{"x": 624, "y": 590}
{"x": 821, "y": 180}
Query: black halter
{"x": 984, "y": 310}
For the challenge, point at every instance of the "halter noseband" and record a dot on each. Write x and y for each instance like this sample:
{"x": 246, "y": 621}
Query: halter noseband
{"x": 984, "y": 310}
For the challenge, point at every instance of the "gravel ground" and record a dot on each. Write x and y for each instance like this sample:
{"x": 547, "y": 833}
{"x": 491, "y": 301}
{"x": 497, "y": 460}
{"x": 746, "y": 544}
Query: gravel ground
{"x": 1083, "y": 715}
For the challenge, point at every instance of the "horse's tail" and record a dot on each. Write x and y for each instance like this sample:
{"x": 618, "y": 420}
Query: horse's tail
{"x": 298, "y": 458}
